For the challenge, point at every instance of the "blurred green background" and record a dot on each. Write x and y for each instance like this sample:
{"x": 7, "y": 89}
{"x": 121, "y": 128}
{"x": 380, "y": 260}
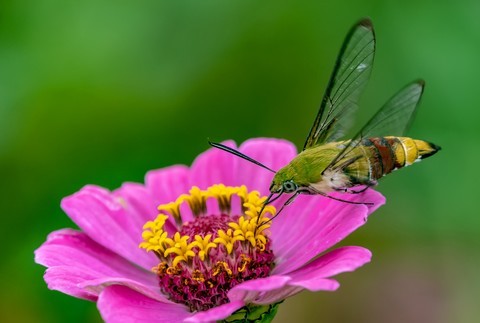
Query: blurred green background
{"x": 101, "y": 92}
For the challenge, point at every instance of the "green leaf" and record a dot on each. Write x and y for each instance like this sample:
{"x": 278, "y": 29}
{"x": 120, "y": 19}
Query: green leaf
{"x": 254, "y": 313}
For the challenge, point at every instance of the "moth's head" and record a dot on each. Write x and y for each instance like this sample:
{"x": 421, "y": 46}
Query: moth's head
{"x": 282, "y": 182}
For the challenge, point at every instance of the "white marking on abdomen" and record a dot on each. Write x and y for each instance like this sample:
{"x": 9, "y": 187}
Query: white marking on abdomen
{"x": 332, "y": 180}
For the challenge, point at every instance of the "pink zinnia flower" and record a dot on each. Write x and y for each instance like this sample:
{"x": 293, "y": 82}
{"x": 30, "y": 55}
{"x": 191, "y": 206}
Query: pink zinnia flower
{"x": 209, "y": 253}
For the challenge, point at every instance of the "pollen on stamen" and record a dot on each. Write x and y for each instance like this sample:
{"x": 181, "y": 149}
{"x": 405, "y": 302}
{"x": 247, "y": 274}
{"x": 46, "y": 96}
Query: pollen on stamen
{"x": 217, "y": 250}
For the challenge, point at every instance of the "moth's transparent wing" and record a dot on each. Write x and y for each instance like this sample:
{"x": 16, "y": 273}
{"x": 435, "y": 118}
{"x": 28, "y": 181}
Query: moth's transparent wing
{"x": 350, "y": 75}
{"x": 393, "y": 118}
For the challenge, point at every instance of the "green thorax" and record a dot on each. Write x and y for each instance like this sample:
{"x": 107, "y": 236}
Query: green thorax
{"x": 307, "y": 167}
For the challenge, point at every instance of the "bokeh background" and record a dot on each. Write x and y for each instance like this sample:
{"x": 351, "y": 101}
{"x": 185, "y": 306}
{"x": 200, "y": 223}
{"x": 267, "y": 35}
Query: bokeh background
{"x": 101, "y": 92}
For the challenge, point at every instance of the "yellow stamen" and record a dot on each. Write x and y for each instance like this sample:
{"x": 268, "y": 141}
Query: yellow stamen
{"x": 197, "y": 276}
{"x": 242, "y": 192}
{"x": 153, "y": 235}
{"x": 260, "y": 246}
{"x": 161, "y": 269}
{"x": 204, "y": 245}
{"x": 221, "y": 266}
{"x": 250, "y": 227}
{"x": 180, "y": 247}
{"x": 244, "y": 263}
{"x": 227, "y": 239}
{"x": 172, "y": 271}
{"x": 172, "y": 208}
{"x": 244, "y": 228}
{"x": 196, "y": 200}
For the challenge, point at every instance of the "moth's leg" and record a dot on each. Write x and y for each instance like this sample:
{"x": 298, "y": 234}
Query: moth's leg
{"x": 338, "y": 199}
{"x": 352, "y": 191}
{"x": 289, "y": 201}
{"x": 359, "y": 191}
{"x": 349, "y": 191}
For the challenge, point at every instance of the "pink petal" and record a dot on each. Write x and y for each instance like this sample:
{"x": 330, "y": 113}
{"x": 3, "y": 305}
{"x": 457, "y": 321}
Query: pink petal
{"x": 166, "y": 184}
{"x": 317, "y": 284}
{"x": 274, "y": 289}
{"x": 293, "y": 288}
{"x": 273, "y": 153}
{"x": 66, "y": 279}
{"x": 110, "y": 222}
{"x": 217, "y": 313}
{"x": 277, "y": 295}
{"x": 281, "y": 288}
{"x": 345, "y": 259}
{"x": 313, "y": 276}
{"x": 215, "y": 167}
{"x": 151, "y": 290}
{"x": 250, "y": 290}
{"x": 141, "y": 206}
{"x": 312, "y": 224}
{"x": 75, "y": 262}
{"x": 121, "y": 304}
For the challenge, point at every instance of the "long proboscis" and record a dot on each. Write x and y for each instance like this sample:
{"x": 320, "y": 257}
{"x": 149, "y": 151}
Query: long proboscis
{"x": 238, "y": 154}
{"x": 270, "y": 199}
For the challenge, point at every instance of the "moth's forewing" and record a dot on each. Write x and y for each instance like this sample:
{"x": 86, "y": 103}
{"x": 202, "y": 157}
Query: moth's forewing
{"x": 349, "y": 78}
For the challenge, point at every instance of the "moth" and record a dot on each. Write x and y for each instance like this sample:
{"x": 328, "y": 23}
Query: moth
{"x": 327, "y": 164}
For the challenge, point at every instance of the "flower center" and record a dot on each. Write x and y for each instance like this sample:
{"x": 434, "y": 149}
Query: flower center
{"x": 225, "y": 244}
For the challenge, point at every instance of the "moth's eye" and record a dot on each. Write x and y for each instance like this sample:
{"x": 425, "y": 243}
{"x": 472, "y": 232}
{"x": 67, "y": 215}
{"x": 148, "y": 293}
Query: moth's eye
{"x": 289, "y": 186}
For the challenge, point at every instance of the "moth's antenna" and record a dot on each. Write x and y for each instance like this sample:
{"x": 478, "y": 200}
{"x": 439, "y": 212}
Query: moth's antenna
{"x": 238, "y": 154}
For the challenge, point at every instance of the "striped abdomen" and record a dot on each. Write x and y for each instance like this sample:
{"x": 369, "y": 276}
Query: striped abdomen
{"x": 386, "y": 154}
